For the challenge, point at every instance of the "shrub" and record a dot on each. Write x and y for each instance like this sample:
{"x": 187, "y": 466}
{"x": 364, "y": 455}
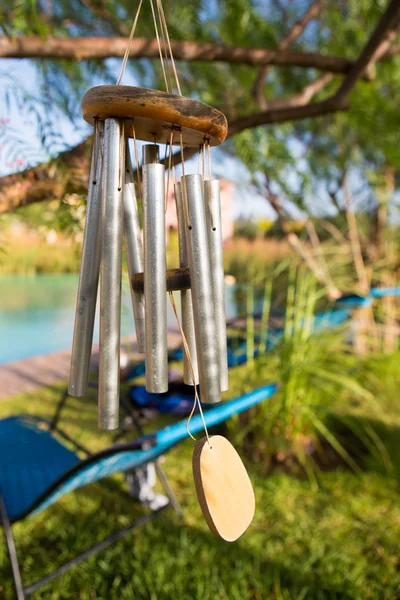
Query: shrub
{"x": 314, "y": 366}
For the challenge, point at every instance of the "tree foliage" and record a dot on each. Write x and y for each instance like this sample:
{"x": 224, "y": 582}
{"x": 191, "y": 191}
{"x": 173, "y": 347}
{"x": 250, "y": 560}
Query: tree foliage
{"x": 298, "y": 158}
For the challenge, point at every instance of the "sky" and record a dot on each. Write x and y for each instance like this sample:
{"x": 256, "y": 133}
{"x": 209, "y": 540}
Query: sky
{"x": 20, "y": 142}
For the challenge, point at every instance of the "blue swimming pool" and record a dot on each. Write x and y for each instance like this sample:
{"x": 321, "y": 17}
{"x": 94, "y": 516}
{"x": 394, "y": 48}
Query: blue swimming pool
{"x": 37, "y": 314}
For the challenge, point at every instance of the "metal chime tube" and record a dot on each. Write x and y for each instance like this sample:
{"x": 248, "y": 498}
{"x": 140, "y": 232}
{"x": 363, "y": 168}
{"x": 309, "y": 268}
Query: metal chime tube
{"x": 133, "y": 247}
{"x": 155, "y": 288}
{"x": 202, "y": 293}
{"x": 214, "y": 231}
{"x": 88, "y": 278}
{"x": 186, "y": 295}
{"x": 111, "y": 274}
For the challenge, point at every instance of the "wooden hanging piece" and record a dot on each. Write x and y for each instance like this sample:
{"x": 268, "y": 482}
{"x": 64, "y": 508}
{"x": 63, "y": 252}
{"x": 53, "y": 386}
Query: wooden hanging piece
{"x": 223, "y": 488}
{"x": 154, "y": 114}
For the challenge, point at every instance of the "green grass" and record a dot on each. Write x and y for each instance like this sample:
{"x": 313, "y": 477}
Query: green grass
{"x": 337, "y": 541}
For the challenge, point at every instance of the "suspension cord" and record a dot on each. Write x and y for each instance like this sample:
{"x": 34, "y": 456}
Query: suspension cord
{"x": 190, "y": 363}
{"x": 126, "y": 55}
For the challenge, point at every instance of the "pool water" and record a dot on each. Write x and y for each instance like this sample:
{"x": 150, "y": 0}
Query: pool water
{"x": 37, "y": 314}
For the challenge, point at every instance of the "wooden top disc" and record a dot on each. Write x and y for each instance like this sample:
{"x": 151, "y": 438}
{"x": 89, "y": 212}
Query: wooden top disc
{"x": 223, "y": 488}
{"x": 155, "y": 114}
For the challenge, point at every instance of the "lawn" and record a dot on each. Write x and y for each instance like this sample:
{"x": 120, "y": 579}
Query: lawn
{"x": 337, "y": 541}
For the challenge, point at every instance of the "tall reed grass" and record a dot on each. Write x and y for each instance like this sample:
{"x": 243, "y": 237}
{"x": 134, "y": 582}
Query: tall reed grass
{"x": 314, "y": 365}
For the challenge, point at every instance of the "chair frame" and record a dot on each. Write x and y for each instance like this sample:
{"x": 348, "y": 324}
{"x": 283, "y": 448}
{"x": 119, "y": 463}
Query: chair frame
{"x": 22, "y": 592}
{"x": 145, "y": 443}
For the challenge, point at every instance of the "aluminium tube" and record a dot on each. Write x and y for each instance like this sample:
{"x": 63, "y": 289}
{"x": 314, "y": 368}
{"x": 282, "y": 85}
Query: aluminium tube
{"x": 133, "y": 248}
{"x": 186, "y": 295}
{"x": 212, "y": 201}
{"x": 155, "y": 287}
{"x": 111, "y": 275}
{"x": 201, "y": 286}
{"x": 88, "y": 278}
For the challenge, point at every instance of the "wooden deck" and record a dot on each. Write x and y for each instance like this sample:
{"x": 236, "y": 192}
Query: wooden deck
{"x": 32, "y": 373}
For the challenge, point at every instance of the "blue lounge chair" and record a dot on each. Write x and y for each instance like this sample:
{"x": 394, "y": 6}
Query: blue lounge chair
{"x": 36, "y": 469}
{"x": 179, "y": 398}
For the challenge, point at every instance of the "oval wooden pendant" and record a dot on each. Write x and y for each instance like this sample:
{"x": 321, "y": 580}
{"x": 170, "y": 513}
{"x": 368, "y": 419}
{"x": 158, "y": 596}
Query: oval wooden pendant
{"x": 223, "y": 488}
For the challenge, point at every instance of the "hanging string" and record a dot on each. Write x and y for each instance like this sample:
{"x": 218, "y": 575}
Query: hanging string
{"x": 137, "y": 160}
{"x": 159, "y": 46}
{"x": 166, "y": 43}
{"x": 210, "y": 206}
{"x": 126, "y": 55}
{"x": 169, "y": 167}
{"x": 101, "y": 139}
{"x": 167, "y": 186}
{"x": 166, "y": 153}
{"x": 94, "y": 150}
{"x": 184, "y": 190}
{"x": 121, "y": 155}
{"x": 190, "y": 363}
{"x": 209, "y": 161}
{"x": 173, "y": 172}
{"x": 164, "y": 21}
{"x": 173, "y": 167}
{"x": 203, "y": 169}
{"x": 163, "y": 36}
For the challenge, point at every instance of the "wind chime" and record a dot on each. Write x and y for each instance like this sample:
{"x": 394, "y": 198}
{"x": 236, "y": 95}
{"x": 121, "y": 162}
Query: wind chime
{"x": 120, "y": 113}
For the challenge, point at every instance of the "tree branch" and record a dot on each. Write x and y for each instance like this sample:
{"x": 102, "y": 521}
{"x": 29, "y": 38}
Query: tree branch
{"x": 88, "y": 48}
{"x": 378, "y": 44}
{"x": 333, "y": 194}
{"x": 286, "y": 113}
{"x": 393, "y": 51}
{"x": 297, "y": 29}
{"x": 100, "y": 10}
{"x": 68, "y": 173}
{"x": 332, "y": 230}
{"x": 304, "y": 97}
{"x": 376, "y": 47}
